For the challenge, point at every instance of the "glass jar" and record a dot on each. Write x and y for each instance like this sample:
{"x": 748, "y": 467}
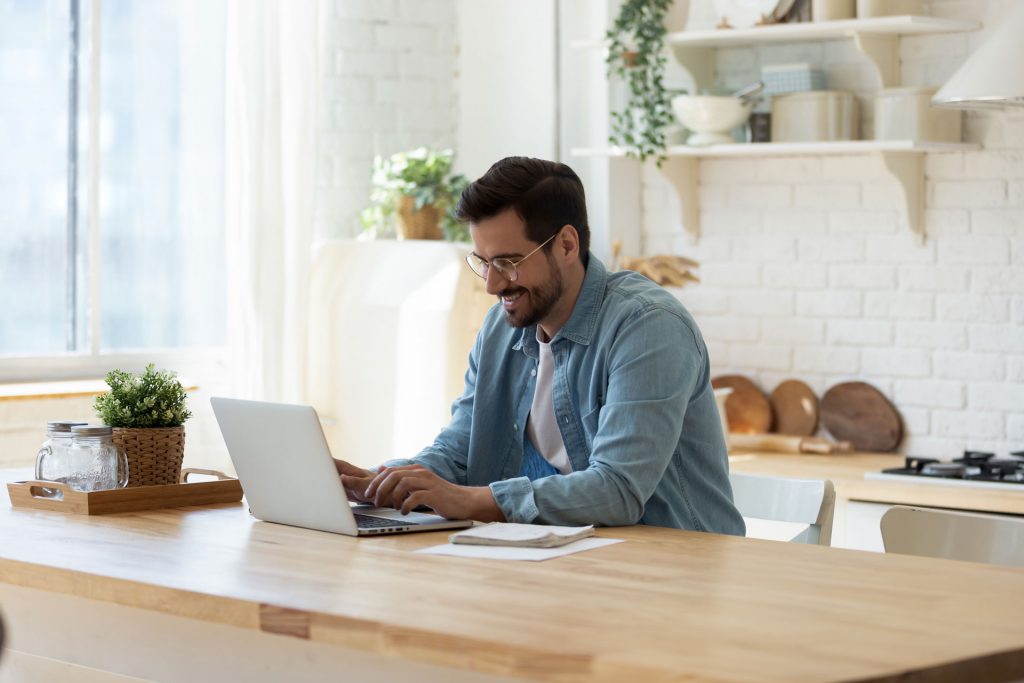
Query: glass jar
{"x": 53, "y": 460}
{"x": 97, "y": 463}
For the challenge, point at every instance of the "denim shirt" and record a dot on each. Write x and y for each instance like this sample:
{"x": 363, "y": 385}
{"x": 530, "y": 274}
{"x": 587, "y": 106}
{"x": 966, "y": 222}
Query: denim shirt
{"x": 633, "y": 400}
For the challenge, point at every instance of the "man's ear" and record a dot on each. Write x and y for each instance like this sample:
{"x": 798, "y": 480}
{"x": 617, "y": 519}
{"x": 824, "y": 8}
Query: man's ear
{"x": 568, "y": 242}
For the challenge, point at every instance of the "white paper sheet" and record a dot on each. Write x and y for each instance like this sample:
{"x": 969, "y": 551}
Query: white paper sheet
{"x": 496, "y": 552}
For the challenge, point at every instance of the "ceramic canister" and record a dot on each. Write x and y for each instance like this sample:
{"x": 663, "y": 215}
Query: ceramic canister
{"x": 888, "y": 8}
{"x": 907, "y": 114}
{"x": 833, "y": 10}
{"x": 815, "y": 116}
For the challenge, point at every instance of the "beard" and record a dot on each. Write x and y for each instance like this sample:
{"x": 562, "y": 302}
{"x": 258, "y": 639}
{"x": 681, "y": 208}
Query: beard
{"x": 543, "y": 298}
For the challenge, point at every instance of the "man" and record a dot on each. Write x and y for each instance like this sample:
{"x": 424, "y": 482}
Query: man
{"x": 587, "y": 398}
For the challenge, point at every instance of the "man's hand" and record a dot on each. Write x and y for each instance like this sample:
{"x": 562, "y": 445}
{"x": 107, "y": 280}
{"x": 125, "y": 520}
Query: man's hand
{"x": 355, "y": 480}
{"x": 407, "y": 486}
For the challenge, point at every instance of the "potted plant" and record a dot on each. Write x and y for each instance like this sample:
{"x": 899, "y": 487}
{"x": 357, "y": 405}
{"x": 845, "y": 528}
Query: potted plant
{"x": 148, "y": 413}
{"x": 419, "y": 190}
{"x": 636, "y": 54}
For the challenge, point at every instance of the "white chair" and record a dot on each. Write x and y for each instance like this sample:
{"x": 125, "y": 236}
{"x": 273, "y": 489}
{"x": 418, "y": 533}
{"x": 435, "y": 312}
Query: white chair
{"x": 793, "y": 510}
{"x": 954, "y": 535}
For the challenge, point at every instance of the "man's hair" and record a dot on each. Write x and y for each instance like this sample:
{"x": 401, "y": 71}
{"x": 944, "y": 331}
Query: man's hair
{"x": 545, "y": 194}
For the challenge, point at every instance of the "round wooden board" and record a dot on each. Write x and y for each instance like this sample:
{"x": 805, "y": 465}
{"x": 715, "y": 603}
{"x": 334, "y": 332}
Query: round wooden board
{"x": 746, "y": 410}
{"x": 859, "y": 413}
{"x": 795, "y": 406}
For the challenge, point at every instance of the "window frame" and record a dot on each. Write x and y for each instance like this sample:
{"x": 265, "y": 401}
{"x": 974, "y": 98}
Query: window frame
{"x": 91, "y": 362}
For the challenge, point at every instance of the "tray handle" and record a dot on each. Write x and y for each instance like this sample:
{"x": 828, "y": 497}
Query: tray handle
{"x": 37, "y": 489}
{"x": 183, "y": 479}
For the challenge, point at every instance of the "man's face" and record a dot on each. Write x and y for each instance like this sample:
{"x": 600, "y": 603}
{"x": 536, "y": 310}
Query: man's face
{"x": 538, "y": 287}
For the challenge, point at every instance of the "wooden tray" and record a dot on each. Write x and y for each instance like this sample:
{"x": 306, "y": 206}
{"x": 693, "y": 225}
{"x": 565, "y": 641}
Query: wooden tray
{"x": 31, "y": 494}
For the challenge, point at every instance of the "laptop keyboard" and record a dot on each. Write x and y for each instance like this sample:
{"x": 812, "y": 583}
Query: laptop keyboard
{"x": 369, "y": 522}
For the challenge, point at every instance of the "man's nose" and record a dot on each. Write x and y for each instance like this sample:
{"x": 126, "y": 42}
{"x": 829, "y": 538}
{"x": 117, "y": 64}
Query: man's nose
{"x": 495, "y": 281}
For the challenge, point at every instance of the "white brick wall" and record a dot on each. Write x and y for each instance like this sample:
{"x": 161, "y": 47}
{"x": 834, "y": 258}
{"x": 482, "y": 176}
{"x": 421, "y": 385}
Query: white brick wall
{"x": 389, "y": 85}
{"x": 806, "y": 270}
{"x": 812, "y": 276}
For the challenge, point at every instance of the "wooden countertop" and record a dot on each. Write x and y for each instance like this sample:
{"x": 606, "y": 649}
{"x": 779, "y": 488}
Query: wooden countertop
{"x": 847, "y": 470}
{"x": 665, "y": 605}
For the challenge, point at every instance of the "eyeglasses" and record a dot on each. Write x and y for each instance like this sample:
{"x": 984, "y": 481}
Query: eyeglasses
{"x": 504, "y": 266}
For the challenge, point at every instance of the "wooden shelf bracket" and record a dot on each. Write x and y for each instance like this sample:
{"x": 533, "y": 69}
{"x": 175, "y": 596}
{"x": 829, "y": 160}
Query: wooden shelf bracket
{"x": 908, "y": 171}
{"x": 682, "y": 172}
{"x": 884, "y": 52}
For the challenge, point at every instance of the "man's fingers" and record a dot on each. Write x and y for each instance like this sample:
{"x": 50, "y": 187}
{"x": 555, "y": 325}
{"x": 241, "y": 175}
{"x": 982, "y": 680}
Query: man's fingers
{"x": 350, "y": 469}
{"x": 408, "y": 484}
{"x": 414, "y": 500}
{"x": 355, "y": 487}
{"x": 392, "y": 489}
{"x": 353, "y": 483}
{"x": 385, "y": 475}
{"x": 383, "y": 488}
{"x": 371, "y": 489}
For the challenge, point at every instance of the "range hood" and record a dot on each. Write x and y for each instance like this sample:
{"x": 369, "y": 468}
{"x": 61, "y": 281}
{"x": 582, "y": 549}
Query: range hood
{"x": 993, "y": 76}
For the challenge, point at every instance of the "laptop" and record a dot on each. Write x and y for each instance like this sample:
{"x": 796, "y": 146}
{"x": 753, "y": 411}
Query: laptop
{"x": 286, "y": 470}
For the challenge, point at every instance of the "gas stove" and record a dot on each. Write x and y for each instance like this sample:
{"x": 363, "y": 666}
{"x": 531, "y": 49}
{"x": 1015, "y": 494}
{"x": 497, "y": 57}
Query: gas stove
{"x": 975, "y": 468}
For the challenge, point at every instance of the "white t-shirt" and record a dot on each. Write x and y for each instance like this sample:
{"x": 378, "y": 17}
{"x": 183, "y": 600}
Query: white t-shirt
{"x": 541, "y": 425}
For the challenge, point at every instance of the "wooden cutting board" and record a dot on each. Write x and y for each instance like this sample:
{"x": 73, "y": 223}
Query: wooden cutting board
{"x": 859, "y": 413}
{"x": 779, "y": 443}
{"x": 795, "y": 407}
{"x": 747, "y": 409}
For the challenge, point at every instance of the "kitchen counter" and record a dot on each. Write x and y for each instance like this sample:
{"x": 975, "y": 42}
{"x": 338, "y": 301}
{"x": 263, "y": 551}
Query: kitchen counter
{"x": 211, "y": 594}
{"x": 847, "y": 470}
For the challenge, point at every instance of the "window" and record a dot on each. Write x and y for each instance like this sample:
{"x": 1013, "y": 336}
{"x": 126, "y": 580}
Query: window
{"x": 111, "y": 179}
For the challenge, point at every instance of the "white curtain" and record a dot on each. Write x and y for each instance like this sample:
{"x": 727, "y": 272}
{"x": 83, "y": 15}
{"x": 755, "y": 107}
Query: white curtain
{"x": 271, "y": 109}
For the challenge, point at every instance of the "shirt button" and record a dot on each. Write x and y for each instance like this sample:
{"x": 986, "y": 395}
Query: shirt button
{"x": 533, "y": 373}
{"x": 515, "y": 427}
{"x": 566, "y": 419}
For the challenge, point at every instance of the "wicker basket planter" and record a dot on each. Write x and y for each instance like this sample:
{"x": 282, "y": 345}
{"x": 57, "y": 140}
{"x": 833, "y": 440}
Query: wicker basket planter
{"x": 154, "y": 454}
{"x": 424, "y": 224}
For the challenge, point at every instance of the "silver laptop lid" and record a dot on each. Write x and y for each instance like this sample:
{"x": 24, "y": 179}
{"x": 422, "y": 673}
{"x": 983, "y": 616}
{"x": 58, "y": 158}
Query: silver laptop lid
{"x": 284, "y": 464}
{"x": 285, "y": 467}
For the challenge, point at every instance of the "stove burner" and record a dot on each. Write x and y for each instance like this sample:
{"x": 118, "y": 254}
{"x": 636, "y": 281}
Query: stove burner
{"x": 975, "y": 457}
{"x": 973, "y": 465}
{"x": 1003, "y": 465}
{"x": 944, "y": 469}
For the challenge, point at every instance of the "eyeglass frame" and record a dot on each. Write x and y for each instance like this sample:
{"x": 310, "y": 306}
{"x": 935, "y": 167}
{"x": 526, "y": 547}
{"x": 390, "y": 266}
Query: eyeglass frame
{"x": 486, "y": 265}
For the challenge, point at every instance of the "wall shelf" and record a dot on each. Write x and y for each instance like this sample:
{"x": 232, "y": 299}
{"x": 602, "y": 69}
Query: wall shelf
{"x": 903, "y": 160}
{"x": 819, "y": 30}
{"x": 876, "y": 38}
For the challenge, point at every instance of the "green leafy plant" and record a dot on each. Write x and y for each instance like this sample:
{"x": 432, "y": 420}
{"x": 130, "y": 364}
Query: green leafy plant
{"x": 636, "y": 54}
{"x": 423, "y": 174}
{"x": 153, "y": 399}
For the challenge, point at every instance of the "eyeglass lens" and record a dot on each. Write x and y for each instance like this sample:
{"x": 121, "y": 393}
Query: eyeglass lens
{"x": 506, "y": 268}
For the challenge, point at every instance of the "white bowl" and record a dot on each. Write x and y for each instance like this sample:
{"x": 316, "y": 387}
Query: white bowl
{"x": 710, "y": 117}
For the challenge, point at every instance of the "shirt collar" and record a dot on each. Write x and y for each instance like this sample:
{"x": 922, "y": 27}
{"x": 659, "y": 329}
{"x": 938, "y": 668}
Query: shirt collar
{"x": 582, "y": 323}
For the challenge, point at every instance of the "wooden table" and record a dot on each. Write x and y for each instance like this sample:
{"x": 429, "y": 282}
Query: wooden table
{"x": 210, "y": 594}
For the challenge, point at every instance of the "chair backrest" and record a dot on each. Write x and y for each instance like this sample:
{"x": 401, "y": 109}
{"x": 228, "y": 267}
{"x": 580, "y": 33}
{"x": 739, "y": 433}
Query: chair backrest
{"x": 954, "y": 535}
{"x": 805, "y": 505}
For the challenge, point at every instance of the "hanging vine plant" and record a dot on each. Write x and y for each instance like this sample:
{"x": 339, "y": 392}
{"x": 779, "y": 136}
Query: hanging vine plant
{"x": 636, "y": 54}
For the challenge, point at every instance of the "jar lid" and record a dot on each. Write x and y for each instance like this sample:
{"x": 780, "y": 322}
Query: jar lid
{"x": 92, "y": 430}
{"x": 63, "y": 425}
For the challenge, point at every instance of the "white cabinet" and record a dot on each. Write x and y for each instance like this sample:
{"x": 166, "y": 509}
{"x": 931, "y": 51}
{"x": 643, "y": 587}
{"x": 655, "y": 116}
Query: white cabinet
{"x": 389, "y": 344}
{"x": 862, "y": 526}
{"x": 877, "y": 39}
